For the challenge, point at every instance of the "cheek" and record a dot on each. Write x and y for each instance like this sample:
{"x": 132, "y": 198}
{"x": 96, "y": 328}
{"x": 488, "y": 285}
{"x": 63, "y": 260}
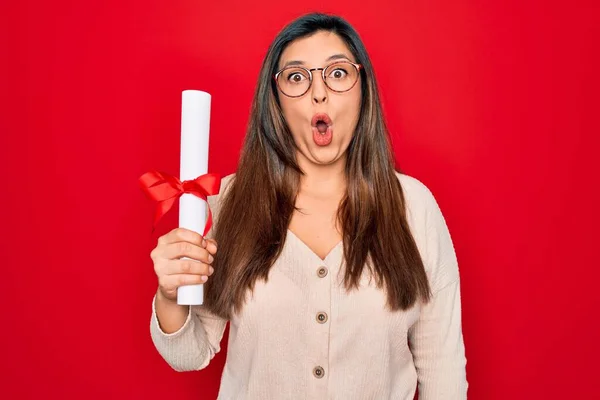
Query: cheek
{"x": 292, "y": 112}
{"x": 352, "y": 112}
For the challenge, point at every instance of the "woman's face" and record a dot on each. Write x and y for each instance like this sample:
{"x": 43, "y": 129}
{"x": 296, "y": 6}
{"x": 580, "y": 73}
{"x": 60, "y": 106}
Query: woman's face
{"x": 316, "y": 144}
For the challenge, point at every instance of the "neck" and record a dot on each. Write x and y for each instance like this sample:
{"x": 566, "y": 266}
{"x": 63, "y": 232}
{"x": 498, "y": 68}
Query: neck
{"x": 323, "y": 180}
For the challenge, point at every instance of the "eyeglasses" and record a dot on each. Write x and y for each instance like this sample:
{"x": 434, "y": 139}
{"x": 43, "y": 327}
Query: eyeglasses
{"x": 294, "y": 81}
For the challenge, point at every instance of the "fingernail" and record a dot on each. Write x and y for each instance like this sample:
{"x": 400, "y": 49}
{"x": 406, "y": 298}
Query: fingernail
{"x": 203, "y": 243}
{"x": 203, "y": 278}
{"x": 211, "y": 270}
{"x": 210, "y": 258}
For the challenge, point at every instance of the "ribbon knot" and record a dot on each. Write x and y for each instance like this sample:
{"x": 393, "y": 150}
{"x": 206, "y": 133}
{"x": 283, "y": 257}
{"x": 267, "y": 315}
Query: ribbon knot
{"x": 189, "y": 186}
{"x": 166, "y": 189}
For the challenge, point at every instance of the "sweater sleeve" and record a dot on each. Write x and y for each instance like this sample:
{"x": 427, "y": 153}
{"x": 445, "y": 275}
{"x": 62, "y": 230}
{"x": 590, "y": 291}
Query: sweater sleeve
{"x": 436, "y": 338}
{"x": 194, "y": 345}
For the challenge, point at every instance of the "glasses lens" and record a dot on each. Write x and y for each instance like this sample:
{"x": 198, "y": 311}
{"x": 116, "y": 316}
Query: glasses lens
{"x": 341, "y": 76}
{"x": 294, "y": 81}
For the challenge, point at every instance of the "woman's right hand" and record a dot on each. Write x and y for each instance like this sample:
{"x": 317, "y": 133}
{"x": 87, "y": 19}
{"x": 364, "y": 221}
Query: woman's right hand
{"x": 173, "y": 272}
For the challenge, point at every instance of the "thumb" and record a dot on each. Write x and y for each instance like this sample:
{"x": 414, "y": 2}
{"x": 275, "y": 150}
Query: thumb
{"x": 211, "y": 246}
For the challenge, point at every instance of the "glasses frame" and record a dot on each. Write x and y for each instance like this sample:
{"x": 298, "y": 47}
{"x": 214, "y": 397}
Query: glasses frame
{"x": 310, "y": 75}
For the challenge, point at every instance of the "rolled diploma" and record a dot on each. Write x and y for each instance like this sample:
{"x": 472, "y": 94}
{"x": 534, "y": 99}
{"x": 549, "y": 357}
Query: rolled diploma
{"x": 195, "y": 124}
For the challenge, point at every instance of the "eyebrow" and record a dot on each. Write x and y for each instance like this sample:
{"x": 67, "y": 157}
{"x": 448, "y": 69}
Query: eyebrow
{"x": 339, "y": 56}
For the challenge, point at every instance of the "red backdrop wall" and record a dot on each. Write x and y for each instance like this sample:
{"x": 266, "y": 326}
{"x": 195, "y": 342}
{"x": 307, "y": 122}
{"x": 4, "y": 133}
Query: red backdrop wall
{"x": 493, "y": 105}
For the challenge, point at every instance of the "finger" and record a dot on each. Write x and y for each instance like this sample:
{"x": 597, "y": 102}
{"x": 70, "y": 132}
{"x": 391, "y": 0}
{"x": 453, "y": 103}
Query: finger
{"x": 177, "y": 250}
{"x": 181, "y": 235}
{"x": 211, "y": 246}
{"x": 188, "y": 267}
{"x": 172, "y": 282}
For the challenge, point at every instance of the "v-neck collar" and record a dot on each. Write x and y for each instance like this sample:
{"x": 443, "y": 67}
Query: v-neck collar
{"x": 329, "y": 255}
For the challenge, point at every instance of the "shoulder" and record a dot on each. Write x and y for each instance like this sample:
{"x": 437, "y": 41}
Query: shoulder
{"x": 214, "y": 200}
{"x": 225, "y": 182}
{"x": 430, "y": 231}
{"x": 418, "y": 198}
{"x": 412, "y": 185}
{"x": 420, "y": 201}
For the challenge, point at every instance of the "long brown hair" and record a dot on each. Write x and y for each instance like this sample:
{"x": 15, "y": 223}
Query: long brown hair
{"x": 257, "y": 206}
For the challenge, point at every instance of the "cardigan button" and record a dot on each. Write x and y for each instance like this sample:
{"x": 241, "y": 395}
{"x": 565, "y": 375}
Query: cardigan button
{"x": 321, "y": 317}
{"x": 322, "y": 272}
{"x": 318, "y": 372}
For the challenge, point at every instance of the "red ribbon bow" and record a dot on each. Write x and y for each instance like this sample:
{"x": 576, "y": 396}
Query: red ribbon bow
{"x": 166, "y": 189}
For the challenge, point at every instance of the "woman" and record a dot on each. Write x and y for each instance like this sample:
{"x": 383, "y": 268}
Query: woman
{"x": 336, "y": 272}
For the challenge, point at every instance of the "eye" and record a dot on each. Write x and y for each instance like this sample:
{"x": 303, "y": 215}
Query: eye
{"x": 338, "y": 73}
{"x": 296, "y": 77}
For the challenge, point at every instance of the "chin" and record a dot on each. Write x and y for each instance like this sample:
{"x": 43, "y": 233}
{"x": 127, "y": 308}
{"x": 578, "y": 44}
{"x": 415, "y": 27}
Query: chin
{"x": 325, "y": 156}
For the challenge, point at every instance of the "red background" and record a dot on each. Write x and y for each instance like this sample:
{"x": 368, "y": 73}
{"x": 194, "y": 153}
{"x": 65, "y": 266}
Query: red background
{"x": 493, "y": 105}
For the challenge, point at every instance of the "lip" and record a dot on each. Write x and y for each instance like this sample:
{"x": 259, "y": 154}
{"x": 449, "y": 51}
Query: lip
{"x": 320, "y": 117}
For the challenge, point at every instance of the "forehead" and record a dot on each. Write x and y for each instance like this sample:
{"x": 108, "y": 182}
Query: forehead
{"x": 314, "y": 50}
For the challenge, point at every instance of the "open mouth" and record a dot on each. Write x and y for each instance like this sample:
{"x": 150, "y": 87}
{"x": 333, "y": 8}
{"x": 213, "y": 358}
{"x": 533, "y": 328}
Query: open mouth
{"x": 322, "y": 129}
{"x": 321, "y": 121}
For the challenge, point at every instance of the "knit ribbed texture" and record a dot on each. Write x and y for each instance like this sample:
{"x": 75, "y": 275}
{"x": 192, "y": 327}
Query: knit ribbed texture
{"x": 365, "y": 351}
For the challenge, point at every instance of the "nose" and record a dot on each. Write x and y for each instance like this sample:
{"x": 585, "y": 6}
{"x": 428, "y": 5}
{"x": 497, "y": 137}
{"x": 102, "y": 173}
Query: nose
{"x": 319, "y": 89}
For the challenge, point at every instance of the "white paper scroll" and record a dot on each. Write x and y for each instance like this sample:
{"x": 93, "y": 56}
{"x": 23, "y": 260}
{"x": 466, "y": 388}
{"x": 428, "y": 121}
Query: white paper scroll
{"x": 195, "y": 124}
